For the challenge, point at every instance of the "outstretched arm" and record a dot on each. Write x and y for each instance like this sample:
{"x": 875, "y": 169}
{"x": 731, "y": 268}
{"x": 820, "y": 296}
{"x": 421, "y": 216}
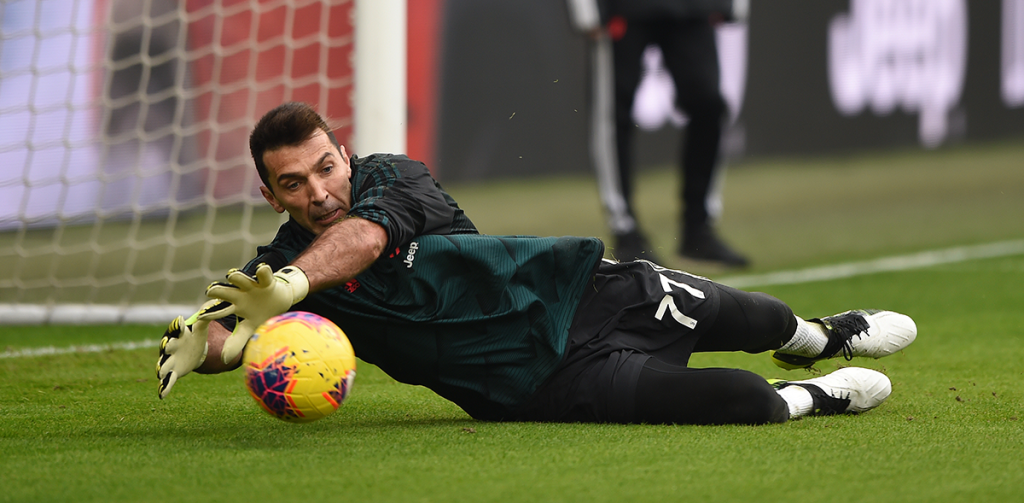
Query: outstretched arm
{"x": 341, "y": 252}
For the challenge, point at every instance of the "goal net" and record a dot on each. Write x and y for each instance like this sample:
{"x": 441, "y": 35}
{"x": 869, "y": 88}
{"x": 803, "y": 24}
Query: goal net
{"x": 125, "y": 180}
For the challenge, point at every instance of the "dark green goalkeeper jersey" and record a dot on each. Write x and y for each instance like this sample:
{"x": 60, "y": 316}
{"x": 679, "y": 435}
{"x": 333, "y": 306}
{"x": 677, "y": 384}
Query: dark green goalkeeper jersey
{"x": 481, "y": 320}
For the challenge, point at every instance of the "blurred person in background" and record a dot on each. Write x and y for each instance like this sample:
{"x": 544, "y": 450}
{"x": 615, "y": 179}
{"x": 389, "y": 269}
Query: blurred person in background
{"x": 684, "y": 30}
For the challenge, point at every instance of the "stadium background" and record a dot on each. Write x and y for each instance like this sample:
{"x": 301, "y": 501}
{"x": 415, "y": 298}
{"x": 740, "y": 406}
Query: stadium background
{"x": 126, "y": 177}
{"x": 933, "y": 231}
{"x": 498, "y": 88}
{"x": 957, "y": 62}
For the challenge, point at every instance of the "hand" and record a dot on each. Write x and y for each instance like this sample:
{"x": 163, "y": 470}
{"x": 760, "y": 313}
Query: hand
{"x": 183, "y": 346}
{"x": 256, "y": 299}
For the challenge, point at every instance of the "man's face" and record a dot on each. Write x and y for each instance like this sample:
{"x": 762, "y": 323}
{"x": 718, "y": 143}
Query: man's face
{"x": 310, "y": 181}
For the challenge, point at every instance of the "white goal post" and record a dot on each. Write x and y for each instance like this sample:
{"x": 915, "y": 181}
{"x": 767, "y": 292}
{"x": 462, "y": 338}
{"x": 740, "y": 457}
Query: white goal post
{"x": 125, "y": 181}
{"x": 380, "y": 110}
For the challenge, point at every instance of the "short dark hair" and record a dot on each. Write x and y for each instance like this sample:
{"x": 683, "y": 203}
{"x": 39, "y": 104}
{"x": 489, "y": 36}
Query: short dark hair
{"x": 287, "y": 125}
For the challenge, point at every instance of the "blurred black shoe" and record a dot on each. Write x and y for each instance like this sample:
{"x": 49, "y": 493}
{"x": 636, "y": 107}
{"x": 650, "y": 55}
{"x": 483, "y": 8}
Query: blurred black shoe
{"x": 631, "y": 246}
{"x": 702, "y": 244}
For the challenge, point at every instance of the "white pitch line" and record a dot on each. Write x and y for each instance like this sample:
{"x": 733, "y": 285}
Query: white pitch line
{"x": 88, "y": 314}
{"x": 886, "y": 264}
{"x": 89, "y": 348}
{"x": 824, "y": 273}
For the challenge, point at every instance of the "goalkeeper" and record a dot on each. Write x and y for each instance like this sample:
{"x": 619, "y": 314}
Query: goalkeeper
{"x": 510, "y": 328}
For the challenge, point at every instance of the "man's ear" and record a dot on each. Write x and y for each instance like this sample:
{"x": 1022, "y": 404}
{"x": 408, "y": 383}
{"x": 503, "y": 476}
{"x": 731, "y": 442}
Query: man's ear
{"x": 269, "y": 196}
{"x": 344, "y": 153}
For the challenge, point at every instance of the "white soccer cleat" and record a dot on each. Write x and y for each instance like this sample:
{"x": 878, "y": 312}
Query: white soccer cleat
{"x": 849, "y": 390}
{"x": 869, "y": 333}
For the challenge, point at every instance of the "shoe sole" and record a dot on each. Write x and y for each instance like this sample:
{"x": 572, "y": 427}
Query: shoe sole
{"x": 791, "y": 362}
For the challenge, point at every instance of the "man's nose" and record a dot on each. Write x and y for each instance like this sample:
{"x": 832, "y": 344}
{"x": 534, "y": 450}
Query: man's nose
{"x": 318, "y": 191}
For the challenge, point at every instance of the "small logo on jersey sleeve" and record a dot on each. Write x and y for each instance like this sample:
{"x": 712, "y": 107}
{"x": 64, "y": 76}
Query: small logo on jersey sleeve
{"x": 352, "y": 286}
{"x": 413, "y": 247}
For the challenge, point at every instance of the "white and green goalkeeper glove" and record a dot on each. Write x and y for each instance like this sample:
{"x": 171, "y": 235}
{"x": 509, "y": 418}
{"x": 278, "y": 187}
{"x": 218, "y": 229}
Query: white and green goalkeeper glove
{"x": 256, "y": 299}
{"x": 183, "y": 346}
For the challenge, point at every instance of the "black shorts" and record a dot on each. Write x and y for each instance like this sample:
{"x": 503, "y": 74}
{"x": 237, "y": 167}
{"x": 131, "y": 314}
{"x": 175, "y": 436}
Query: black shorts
{"x": 630, "y": 312}
{"x": 635, "y": 311}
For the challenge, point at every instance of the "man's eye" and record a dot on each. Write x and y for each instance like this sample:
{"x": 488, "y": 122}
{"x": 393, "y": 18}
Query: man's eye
{"x": 328, "y": 168}
{"x": 292, "y": 186}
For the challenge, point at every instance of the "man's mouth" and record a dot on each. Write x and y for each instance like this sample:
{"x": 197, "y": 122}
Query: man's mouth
{"x": 329, "y": 217}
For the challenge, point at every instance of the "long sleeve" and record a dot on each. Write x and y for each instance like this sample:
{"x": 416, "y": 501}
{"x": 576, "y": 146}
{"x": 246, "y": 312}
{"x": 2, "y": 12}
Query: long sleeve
{"x": 400, "y": 195}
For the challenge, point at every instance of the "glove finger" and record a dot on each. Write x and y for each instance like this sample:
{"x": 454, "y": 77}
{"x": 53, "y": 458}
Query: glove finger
{"x": 201, "y": 324}
{"x": 168, "y": 345}
{"x": 236, "y": 342}
{"x": 242, "y": 280}
{"x": 169, "y": 341}
{"x": 213, "y": 310}
{"x": 173, "y": 329}
{"x": 164, "y": 365}
{"x": 167, "y": 383}
{"x": 264, "y": 275}
{"x": 225, "y": 292}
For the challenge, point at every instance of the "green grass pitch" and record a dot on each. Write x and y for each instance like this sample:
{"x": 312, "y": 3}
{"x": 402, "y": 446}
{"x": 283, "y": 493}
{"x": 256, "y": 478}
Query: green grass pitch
{"x": 88, "y": 427}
